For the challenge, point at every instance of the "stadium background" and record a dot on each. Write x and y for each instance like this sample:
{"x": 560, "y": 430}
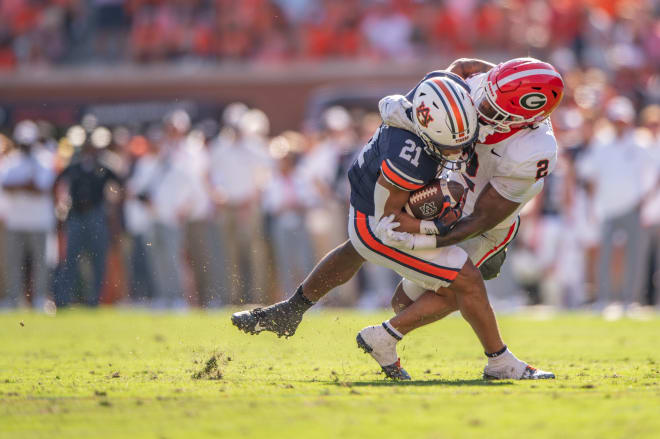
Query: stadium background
{"x": 218, "y": 203}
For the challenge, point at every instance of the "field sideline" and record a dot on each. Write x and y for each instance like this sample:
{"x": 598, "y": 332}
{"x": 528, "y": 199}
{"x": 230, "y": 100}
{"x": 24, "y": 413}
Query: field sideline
{"x": 118, "y": 373}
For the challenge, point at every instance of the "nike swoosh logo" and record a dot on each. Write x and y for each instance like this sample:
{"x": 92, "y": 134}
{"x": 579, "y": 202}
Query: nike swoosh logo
{"x": 493, "y": 151}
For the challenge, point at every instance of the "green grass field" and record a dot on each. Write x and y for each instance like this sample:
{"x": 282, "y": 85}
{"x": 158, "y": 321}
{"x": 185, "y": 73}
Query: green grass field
{"x": 114, "y": 373}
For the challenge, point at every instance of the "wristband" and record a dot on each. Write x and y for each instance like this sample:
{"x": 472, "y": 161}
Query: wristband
{"x": 428, "y": 228}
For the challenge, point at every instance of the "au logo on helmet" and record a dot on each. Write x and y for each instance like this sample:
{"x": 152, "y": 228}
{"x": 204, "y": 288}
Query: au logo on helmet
{"x": 533, "y": 101}
{"x": 423, "y": 114}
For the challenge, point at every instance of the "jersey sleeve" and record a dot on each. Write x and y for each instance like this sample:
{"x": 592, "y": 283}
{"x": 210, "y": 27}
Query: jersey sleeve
{"x": 516, "y": 189}
{"x": 525, "y": 163}
{"x": 405, "y": 164}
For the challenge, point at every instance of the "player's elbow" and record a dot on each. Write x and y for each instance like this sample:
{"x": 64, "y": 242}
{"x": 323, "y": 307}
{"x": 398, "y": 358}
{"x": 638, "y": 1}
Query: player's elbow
{"x": 458, "y": 66}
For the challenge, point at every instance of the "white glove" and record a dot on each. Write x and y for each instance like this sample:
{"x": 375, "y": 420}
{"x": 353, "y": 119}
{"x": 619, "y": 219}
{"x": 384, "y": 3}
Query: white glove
{"x": 403, "y": 240}
{"x": 385, "y": 225}
{"x": 385, "y": 233}
{"x": 393, "y": 112}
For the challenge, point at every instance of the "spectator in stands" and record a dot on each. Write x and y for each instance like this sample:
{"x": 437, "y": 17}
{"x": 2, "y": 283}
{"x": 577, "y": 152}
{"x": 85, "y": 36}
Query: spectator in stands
{"x": 86, "y": 226}
{"x": 239, "y": 168}
{"x": 200, "y": 232}
{"x": 169, "y": 191}
{"x": 619, "y": 176}
{"x": 388, "y": 31}
{"x": 27, "y": 178}
{"x": 286, "y": 199}
{"x": 138, "y": 218}
{"x": 650, "y": 118}
{"x": 6, "y": 145}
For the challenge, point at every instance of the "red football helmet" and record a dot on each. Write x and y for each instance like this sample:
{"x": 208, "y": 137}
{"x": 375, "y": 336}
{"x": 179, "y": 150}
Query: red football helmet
{"x": 519, "y": 93}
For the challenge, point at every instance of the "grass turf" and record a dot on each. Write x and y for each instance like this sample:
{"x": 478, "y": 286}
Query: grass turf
{"x": 113, "y": 373}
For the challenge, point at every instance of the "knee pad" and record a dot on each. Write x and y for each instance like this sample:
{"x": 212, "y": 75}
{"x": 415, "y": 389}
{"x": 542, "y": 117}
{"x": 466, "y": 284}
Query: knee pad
{"x": 412, "y": 290}
{"x": 490, "y": 269}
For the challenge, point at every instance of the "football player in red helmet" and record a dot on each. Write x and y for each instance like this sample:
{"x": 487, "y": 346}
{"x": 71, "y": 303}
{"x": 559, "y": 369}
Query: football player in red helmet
{"x": 520, "y": 93}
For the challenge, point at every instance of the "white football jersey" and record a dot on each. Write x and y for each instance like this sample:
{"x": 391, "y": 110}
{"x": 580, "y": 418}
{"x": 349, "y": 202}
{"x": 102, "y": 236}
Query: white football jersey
{"x": 514, "y": 166}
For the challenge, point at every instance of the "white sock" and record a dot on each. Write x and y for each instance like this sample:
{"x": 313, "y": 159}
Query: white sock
{"x": 382, "y": 343}
{"x": 392, "y": 331}
{"x": 503, "y": 358}
{"x": 507, "y": 361}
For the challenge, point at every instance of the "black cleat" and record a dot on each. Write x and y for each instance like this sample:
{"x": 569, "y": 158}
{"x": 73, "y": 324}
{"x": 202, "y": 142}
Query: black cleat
{"x": 280, "y": 318}
{"x": 393, "y": 371}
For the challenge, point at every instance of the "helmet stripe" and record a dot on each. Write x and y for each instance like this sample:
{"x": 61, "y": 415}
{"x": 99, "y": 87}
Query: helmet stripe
{"x": 454, "y": 106}
{"x": 460, "y": 103}
{"x": 526, "y": 73}
{"x": 444, "y": 104}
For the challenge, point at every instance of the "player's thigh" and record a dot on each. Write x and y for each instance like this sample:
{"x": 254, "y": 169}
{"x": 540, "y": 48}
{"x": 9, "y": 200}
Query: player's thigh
{"x": 487, "y": 251}
{"x": 430, "y": 269}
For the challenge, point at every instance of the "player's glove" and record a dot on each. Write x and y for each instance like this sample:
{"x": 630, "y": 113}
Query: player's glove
{"x": 446, "y": 220}
{"x": 396, "y": 111}
{"x": 385, "y": 225}
{"x": 408, "y": 241}
{"x": 385, "y": 233}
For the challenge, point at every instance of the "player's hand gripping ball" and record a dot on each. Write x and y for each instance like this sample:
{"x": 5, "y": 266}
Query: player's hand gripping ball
{"x": 441, "y": 201}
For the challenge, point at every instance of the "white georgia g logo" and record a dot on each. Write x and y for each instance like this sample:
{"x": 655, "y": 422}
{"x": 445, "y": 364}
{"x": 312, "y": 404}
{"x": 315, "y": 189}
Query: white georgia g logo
{"x": 533, "y": 101}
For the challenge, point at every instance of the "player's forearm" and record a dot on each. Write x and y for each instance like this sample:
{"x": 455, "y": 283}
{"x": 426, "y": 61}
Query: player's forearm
{"x": 465, "y": 229}
{"x": 466, "y": 67}
{"x": 407, "y": 223}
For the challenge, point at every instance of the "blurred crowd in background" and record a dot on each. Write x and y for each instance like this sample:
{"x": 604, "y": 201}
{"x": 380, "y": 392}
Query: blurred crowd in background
{"x": 175, "y": 213}
{"x": 220, "y": 211}
{"x": 42, "y": 32}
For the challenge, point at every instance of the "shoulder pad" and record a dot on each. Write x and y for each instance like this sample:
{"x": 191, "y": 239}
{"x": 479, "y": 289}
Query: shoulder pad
{"x": 532, "y": 154}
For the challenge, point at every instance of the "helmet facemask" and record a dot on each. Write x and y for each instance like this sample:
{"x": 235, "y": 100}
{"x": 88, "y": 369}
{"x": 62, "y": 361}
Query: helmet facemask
{"x": 453, "y": 158}
{"x": 492, "y": 114}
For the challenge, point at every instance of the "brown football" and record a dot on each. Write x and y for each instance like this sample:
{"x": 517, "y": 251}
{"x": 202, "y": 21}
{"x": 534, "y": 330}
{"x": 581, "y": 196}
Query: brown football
{"x": 426, "y": 203}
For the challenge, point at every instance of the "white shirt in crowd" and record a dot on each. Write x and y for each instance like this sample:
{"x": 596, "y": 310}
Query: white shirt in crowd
{"x": 193, "y": 159}
{"x": 622, "y": 173}
{"x": 284, "y": 192}
{"x": 27, "y": 210}
{"x": 137, "y": 214}
{"x": 651, "y": 208}
{"x": 239, "y": 167}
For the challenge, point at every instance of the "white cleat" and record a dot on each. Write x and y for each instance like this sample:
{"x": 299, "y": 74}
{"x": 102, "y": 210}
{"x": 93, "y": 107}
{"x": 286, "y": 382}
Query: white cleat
{"x": 377, "y": 342}
{"x": 508, "y": 367}
{"x": 509, "y": 372}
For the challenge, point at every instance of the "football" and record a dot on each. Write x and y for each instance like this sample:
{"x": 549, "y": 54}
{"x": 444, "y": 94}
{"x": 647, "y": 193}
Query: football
{"x": 426, "y": 203}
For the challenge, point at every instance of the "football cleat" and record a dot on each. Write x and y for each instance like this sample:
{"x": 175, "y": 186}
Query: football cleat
{"x": 393, "y": 371}
{"x": 508, "y": 373}
{"x": 280, "y": 318}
